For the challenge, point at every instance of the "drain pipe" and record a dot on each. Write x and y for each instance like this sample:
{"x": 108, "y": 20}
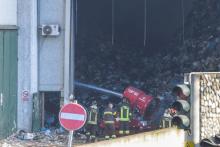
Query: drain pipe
{"x": 34, "y": 47}
{"x": 72, "y": 45}
{"x": 67, "y": 46}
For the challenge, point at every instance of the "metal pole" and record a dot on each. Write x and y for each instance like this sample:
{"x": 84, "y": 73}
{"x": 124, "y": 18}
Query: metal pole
{"x": 183, "y": 21}
{"x": 70, "y": 139}
{"x": 145, "y": 22}
{"x": 72, "y": 45}
{"x": 76, "y": 19}
{"x": 67, "y": 51}
{"x": 113, "y": 22}
{"x": 195, "y": 108}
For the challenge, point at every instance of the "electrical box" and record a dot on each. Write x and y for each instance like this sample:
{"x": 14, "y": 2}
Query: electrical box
{"x": 50, "y": 30}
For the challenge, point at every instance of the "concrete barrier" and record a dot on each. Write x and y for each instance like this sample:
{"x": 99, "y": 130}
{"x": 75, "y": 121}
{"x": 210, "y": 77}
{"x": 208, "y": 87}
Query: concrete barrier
{"x": 170, "y": 137}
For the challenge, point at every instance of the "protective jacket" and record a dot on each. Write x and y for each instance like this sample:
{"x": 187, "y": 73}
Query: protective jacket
{"x": 93, "y": 115}
{"x": 109, "y": 116}
{"x": 124, "y": 112}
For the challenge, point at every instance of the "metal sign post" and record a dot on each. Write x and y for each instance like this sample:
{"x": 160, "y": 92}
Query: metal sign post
{"x": 70, "y": 140}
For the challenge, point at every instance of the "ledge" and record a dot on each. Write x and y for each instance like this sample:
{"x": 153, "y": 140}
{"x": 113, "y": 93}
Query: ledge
{"x": 8, "y": 27}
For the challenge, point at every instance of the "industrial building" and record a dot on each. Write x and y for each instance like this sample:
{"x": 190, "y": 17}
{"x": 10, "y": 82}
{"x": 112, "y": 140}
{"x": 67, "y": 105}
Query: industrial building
{"x": 35, "y": 59}
{"x": 38, "y": 41}
{"x": 38, "y": 58}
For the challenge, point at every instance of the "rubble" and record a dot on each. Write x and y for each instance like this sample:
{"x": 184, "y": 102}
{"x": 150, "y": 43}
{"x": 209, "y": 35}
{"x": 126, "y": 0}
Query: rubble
{"x": 47, "y": 138}
{"x": 24, "y": 135}
{"x": 118, "y": 66}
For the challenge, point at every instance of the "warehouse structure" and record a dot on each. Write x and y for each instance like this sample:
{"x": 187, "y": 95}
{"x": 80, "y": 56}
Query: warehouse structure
{"x": 36, "y": 59}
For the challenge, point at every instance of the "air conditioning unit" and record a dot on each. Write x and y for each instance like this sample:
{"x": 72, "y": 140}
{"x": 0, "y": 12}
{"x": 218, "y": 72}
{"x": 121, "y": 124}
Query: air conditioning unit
{"x": 50, "y": 30}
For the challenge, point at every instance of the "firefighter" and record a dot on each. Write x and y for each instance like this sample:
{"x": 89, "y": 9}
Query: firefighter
{"x": 109, "y": 121}
{"x": 124, "y": 117}
{"x": 92, "y": 122}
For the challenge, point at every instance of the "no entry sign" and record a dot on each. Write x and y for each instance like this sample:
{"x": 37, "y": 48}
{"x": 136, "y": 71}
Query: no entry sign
{"x": 72, "y": 116}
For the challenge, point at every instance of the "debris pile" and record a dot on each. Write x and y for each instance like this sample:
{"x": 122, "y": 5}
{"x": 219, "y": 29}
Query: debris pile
{"x": 46, "y": 138}
{"x": 118, "y": 66}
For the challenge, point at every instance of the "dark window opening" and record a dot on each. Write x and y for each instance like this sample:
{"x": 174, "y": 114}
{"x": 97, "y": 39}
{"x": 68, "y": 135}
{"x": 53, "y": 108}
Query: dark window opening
{"x": 51, "y": 109}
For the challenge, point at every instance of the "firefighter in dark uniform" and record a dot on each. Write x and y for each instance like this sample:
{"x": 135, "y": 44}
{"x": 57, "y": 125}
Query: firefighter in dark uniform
{"x": 109, "y": 121}
{"x": 92, "y": 122}
{"x": 124, "y": 117}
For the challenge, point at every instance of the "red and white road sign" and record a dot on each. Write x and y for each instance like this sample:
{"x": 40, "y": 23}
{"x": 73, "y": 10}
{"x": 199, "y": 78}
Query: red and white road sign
{"x": 72, "y": 116}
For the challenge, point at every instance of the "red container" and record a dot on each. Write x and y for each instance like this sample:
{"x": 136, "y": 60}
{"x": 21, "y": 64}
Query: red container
{"x": 143, "y": 102}
{"x": 137, "y": 98}
{"x": 132, "y": 94}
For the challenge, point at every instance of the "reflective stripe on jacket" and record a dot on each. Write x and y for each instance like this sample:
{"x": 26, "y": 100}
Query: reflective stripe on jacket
{"x": 109, "y": 115}
{"x": 124, "y": 112}
{"x": 92, "y": 116}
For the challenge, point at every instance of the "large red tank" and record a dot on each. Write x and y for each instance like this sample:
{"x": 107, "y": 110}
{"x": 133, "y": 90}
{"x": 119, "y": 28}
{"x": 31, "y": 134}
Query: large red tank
{"x": 138, "y": 99}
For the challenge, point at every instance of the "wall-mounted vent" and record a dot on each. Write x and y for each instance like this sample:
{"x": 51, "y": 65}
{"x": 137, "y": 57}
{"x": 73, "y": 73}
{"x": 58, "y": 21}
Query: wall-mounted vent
{"x": 50, "y": 30}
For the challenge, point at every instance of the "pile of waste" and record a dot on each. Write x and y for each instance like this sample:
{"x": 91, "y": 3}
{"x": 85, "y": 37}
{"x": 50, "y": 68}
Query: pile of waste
{"x": 46, "y": 138}
{"x": 118, "y": 66}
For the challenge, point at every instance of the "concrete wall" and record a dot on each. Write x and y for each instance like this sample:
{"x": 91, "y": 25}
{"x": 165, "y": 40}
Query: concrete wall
{"x": 205, "y": 105}
{"x": 51, "y": 49}
{"x": 8, "y": 12}
{"x": 162, "y": 138}
{"x": 40, "y": 59}
{"x": 26, "y": 68}
{"x": 209, "y": 105}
